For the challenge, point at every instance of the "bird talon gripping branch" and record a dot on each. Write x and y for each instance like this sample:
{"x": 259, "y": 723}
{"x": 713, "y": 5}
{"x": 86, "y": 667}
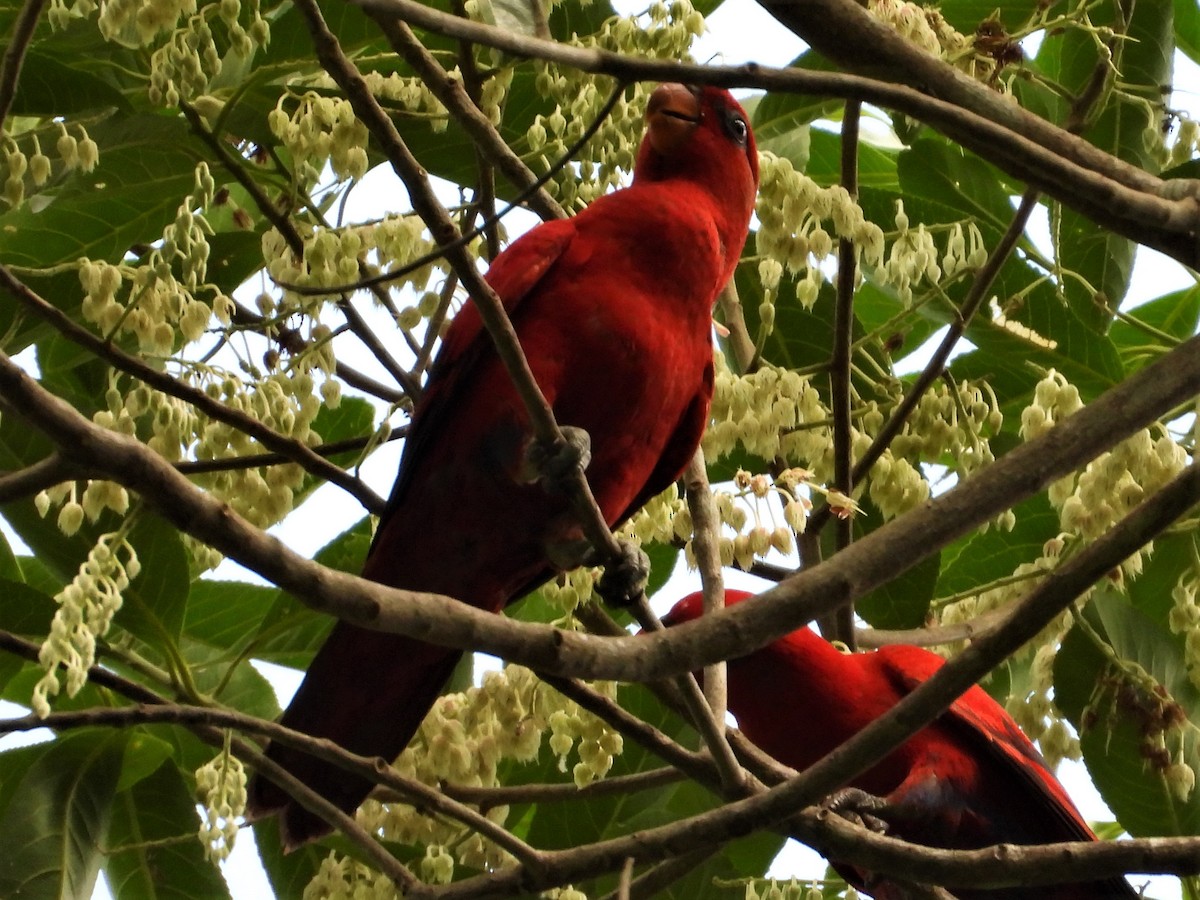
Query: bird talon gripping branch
{"x": 857, "y": 806}
{"x": 554, "y": 464}
{"x": 624, "y": 578}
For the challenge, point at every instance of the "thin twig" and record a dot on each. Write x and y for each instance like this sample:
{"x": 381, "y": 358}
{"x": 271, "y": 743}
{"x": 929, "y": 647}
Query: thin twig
{"x": 19, "y": 40}
{"x": 483, "y": 134}
{"x": 839, "y": 362}
{"x": 706, "y": 526}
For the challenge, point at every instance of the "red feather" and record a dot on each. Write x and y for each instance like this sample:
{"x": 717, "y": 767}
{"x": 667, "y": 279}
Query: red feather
{"x": 613, "y": 309}
{"x": 970, "y": 779}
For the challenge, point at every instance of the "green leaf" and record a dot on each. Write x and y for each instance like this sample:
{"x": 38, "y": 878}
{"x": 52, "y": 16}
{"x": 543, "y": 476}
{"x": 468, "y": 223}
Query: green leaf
{"x": 56, "y": 824}
{"x": 24, "y": 609}
{"x": 155, "y": 853}
{"x": 50, "y": 87}
{"x": 156, "y": 600}
{"x": 290, "y": 632}
{"x": 1143, "y": 57}
{"x": 144, "y": 754}
{"x": 994, "y": 554}
{"x": 225, "y": 614}
{"x": 1111, "y": 747}
{"x": 1187, "y": 28}
{"x": 289, "y": 873}
{"x": 1148, "y": 329}
{"x": 146, "y": 168}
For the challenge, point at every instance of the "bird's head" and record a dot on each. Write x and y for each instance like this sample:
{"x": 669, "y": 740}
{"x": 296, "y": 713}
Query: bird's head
{"x": 701, "y": 134}
{"x": 692, "y": 606}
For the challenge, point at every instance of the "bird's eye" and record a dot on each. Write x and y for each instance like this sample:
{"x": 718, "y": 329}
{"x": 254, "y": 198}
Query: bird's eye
{"x": 736, "y": 128}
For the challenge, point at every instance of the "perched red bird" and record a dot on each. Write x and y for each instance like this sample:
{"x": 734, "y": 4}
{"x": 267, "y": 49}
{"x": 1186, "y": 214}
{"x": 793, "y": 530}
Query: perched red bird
{"x": 970, "y": 779}
{"x": 613, "y": 309}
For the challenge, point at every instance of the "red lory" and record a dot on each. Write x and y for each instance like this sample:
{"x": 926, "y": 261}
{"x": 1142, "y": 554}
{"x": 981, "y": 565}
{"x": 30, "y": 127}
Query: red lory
{"x": 970, "y": 779}
{"x": 613, "y": 309}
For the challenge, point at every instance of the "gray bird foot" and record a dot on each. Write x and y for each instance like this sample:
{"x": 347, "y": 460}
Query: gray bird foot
{"x": 624, "y": 578}
{"x": 859, "y": 807}
{"x": 555, "y": 464}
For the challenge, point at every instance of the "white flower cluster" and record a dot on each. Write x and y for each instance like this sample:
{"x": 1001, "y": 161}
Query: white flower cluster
{"x": 160, "y": 309}
{"x": 412, "y": 95}
{"x": 951, "y": 425}
{"x": 321, "y": 130}
{"x": 791, "y": 209}
{"x": 342, "y": 878}
{"x": 1184, "y": 618}
{"x": 662, "y": 520}
{"x": 286, "y": 401}
{"x": 771, "y": 889}
{"x": 1090, "y": 502}
{"x": 221, "y": 790}
{"x": 914, "y": 257}
{"x": 930, "y": 31}
{"x": 74, "y": 153}
{"x": 569, "y": 892}
{"x": 770, "y": 412}
{"x": 664, "y": 31}
{"x": 86, "y": 608}
{"x": 331, "y": 257}
{"x": 463, "y": 741}
{"x": 571, "y": 589}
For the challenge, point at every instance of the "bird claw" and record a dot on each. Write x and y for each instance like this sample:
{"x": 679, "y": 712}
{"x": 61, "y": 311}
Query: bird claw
{"x": 624, "y": 578}
{"x": 554, "y": 463}
{"x": 857, "y": 806}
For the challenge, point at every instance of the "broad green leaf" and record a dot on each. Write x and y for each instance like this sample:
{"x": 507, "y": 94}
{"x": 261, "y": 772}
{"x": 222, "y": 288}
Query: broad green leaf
{"x": 146, "y": 168}
{"x": 10, "y": 568}
{"x": 289, "y": 873}
{"x": 1101, "y": 259}
{"x": 243, "y": 688}
{"x": 224, "y": 614}
{"x": 144, "y": 754}
{"x": 1111, "y": 746}
{"x": 1187, "y": 28}
{"x": 777, "y": 115}
{"x": 50, "y": 86}
{"x": 25, "y": 610}
{"x": 984, "y": 558}
{"x": 290, "y": 632}
{"x": 902, "y": 602}
{"x": 877, "y": 166}
{"x": 56, "y": 824}
{"x": 154, "y": 852}
{"x": 156, "y": 600}
{"x": 1154, "y": 327}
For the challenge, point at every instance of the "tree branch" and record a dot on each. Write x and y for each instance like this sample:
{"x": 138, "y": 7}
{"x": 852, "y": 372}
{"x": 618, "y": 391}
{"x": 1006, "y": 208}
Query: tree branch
{"x": 885, "y": 553}
{"x": 14, "y": 54}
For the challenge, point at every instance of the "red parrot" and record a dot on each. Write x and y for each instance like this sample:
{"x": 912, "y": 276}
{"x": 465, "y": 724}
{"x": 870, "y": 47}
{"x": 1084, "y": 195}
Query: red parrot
{"x": 970, "y": 779}
{"x": 613, "y": 309}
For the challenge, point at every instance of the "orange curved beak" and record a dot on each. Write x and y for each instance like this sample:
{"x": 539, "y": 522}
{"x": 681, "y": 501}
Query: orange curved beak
{"x": 671, "y": 116}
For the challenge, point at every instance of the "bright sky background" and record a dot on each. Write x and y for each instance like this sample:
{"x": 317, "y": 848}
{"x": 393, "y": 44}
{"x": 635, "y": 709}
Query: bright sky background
{"x": 739, "y": 31}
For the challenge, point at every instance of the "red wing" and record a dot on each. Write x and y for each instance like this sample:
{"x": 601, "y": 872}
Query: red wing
{"x": 513, "y": 276}
{"x": 995, "y": 730}
{"x": 679, "y": 449}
